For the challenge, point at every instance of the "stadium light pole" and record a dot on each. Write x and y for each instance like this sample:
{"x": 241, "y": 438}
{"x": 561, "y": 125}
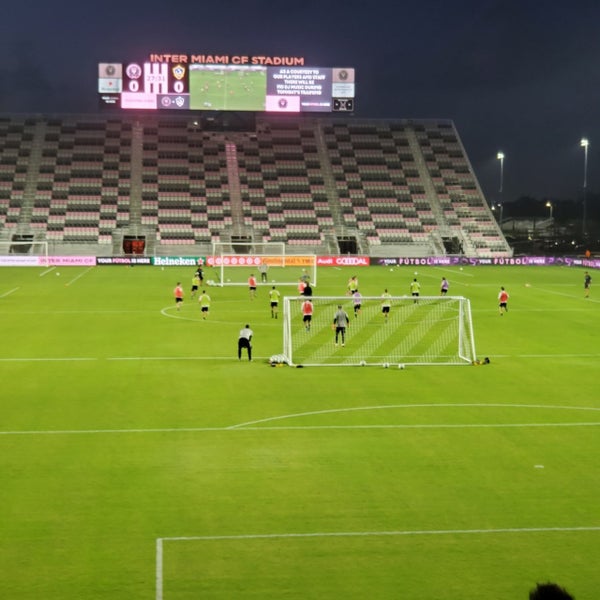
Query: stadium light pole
{"x": 584, "y": 144}
{"x": 551, "y": 207}
{"x": 500, "y": 157}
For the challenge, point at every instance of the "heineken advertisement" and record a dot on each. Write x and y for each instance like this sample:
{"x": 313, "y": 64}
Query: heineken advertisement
{"x": 178, "y": 261}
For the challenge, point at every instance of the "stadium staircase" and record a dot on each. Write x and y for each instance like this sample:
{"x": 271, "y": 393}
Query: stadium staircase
{"x": 442, "y": 230}
{"x": 135, "y": 227}
{"x": 340, "y": 230}
{"x": 31, "y": 178}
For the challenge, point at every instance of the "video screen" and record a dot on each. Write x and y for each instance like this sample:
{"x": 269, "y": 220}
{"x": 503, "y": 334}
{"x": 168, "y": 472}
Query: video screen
{"x": 225, "y": 87}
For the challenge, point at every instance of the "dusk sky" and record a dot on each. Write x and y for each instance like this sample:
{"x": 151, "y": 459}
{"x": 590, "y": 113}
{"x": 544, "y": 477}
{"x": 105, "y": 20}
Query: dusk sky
{"x": 521, "y": 77}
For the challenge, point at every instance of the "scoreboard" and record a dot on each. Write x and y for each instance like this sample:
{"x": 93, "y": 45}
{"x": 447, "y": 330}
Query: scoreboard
{"x": 181, "y": 85}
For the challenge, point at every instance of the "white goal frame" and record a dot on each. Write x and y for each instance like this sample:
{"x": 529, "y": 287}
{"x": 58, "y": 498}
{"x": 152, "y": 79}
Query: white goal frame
{"x": 272, "y": 254}
{"x": 38, "y": 248}
{"x": 428, "y": 330}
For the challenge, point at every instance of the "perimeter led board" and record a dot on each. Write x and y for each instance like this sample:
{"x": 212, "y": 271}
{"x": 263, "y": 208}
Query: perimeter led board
{"x": 185, "y": 85}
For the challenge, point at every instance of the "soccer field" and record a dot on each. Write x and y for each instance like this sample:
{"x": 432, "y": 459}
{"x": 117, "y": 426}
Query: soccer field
{"x": 142, "y": 460}
{"x": 228, "y": 89}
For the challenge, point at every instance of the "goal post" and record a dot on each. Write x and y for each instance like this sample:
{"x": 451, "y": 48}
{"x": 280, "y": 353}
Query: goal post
{"x": 430, "y": 330}
{"x": 269, "y": 263}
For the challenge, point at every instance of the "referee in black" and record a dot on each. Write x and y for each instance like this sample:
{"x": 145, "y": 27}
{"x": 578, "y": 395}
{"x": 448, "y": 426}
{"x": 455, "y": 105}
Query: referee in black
{"x": 244, "y": 341}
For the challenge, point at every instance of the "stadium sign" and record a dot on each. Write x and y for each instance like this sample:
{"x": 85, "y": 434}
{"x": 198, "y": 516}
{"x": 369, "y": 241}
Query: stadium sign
{"x": 343, "y": 261}
{"x": 123, "y": 260}
{"x": 177, "y": 261}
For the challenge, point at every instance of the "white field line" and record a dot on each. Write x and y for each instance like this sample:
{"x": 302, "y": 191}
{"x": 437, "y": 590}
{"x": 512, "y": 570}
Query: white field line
{"x": 79, "y": 276}
{"x": 397, "y": 406}
{"x": 293, "y": 428}
{"x": 258, "y": 359}
{"x": 408, "y": 532}
{"x": 206, "y": 358}
{"x": 49, "y": 270}
{"x": 49, "y": 359}
{"x": 579, "y": 296}
{"x": 250, "y": 425}
{"x": 346, "y": 534}
{"x": 159, "y": 569}
{"x": 9, "y": 292}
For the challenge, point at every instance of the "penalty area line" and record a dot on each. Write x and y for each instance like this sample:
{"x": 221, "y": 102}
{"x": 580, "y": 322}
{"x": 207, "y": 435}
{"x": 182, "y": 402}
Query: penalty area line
{"x": 159, "y": 542}
{"x": 399, "y": 533}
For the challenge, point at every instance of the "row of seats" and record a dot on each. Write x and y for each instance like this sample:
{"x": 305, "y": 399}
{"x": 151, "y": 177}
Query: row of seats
{"x": 285, "y": 173}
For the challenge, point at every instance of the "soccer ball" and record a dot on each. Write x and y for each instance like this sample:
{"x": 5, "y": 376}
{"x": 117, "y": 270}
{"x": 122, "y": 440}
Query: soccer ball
{"x": 57, "y": 273}
{"x": 391, "y": 270}
{"x": 386, "y": 365}
{"x": 363, "y": 363}
{"x": 416, "y": 272}
{"x": 400, "y": 366}
{"x": 461, "y": 269}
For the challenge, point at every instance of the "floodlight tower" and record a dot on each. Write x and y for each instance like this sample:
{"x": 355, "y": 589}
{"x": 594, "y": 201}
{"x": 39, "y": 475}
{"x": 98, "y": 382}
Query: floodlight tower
{"x": 584, "y": 143}
{"x": 500, "y": 157}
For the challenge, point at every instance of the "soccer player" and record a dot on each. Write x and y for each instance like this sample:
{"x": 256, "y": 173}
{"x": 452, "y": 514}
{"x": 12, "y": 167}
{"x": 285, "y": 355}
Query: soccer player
{"x": 340, "y": 322}
{"x": 415, "y": 289}
{"x": 301, "y": 286}
{"x": 386, "y": 304}
{"x": 204, "y": 301}
{"x": 252, "y": 286}
{"x": 200, "y": 274}
{"x": 178, "y": 293}
{"x": 444, "y": 287}
{"x": 195, "y": 284}
{"x": 245, "y": 341}
{"x": 352, "y": 285}
{"x": 274, "y": 296}
{"x": 307, "y": 313}
{"x": 305, "y": 276}
{"x": 263, "y": 268}
{"x": 357, "y": 303}
{"x": 503, "y": 301}
{"x": 307, "y": 291}
{"x": 587, "y": 283}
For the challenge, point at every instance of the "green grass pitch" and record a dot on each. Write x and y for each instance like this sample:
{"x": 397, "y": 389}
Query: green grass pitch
{"x": 141, "y": 460}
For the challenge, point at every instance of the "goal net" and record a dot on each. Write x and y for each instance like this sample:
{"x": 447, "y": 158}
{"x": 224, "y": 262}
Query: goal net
{"x": 31, "y": 248}
{"x": 433, "y": 330}
{"x": 267, "y": 261}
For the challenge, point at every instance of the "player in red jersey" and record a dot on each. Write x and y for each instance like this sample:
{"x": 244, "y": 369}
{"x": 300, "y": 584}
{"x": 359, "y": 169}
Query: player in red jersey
{"x": 503, "y": 301}
{"x": 307, "y": 312}
{"x": 178, "y": 293}
{"x": 252, "y": 286}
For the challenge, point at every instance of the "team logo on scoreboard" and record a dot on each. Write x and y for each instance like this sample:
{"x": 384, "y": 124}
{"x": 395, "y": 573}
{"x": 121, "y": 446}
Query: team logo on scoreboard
{"x": 173, "y": 101}
{"x": 178, "y": 72}
{"x": 133, "y": 71}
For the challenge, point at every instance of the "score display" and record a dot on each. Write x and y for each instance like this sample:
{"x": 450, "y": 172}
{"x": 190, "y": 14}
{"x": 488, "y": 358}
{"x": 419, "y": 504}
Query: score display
{"x": 226, "y": 87}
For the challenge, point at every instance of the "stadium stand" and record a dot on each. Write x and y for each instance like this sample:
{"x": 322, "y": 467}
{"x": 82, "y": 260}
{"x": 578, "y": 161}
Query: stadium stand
{"x": 390, "y": 187}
